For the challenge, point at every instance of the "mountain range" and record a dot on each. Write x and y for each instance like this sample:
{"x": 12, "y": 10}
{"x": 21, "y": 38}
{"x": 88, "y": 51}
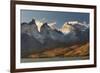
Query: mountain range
{"x": 34, "y": 40}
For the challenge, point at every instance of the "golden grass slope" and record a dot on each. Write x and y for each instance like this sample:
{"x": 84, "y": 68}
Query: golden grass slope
{"x": 77, "y": 50}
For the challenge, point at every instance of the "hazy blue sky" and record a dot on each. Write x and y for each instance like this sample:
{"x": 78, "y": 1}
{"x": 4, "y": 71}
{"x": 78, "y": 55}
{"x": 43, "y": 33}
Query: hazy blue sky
{"x": 50, "y": 16}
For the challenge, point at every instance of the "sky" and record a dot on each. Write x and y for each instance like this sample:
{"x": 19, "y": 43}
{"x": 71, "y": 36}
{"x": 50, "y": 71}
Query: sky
{"x": 53, "y": 16}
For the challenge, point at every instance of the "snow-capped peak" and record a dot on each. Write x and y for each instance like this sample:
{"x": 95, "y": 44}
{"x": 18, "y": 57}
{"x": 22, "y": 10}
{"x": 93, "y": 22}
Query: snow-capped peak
{"x": 52, "y": 25}
{"x": 82, "y": 26}
{"x": 39, "y": 24}
{"x": 79, "y": 23}
{"x": 66, "y": 28}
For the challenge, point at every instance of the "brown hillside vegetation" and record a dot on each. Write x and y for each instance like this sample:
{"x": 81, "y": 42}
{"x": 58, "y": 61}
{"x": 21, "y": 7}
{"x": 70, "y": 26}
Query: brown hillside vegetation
{"x": 82, "y": 50}
{"x": 78, "y": 50}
